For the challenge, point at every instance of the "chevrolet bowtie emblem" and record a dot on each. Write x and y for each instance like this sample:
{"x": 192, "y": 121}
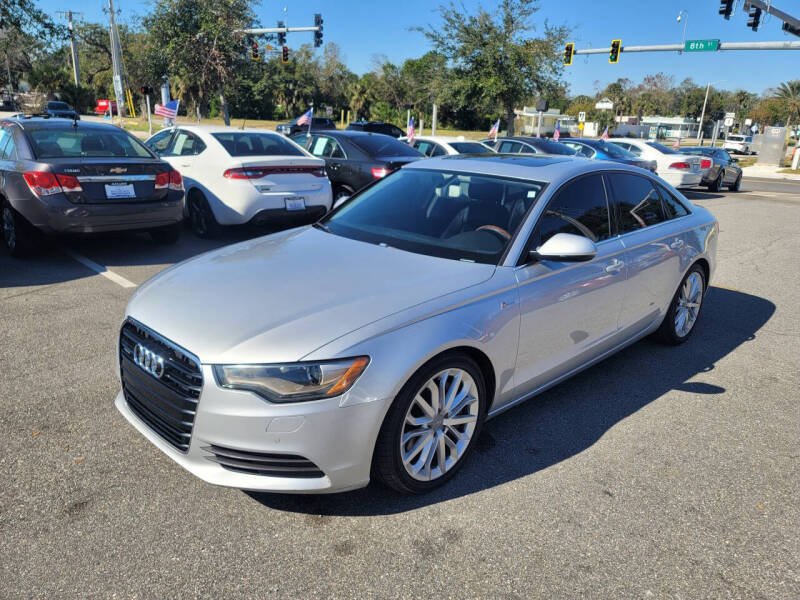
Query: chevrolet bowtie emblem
{"x": 118, "y": 170}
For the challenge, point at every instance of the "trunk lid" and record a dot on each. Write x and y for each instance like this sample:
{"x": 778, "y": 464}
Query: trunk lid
{"x": 113, "y": 180}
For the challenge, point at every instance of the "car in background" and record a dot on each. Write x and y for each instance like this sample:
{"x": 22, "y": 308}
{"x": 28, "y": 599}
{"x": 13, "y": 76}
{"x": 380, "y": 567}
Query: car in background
{"x": 442, "y": 145}
{"x": 598, "y": 149}
{"x": 738, "y": 143}
{"x": 718, "y": 167}
{"x": 317, "y": 123}
{"x": 354, "y": 159}
{"x": 61, "y": 110}
{"x": 377, "y": 342}
{"x": 376, "y": 127}
{"x": 59, "y": 176}
{"x": 105, "y": 106}
{"x": 678, "y": 169}
{"x": 521, "y": 144}
{"x": 244, "y": 177}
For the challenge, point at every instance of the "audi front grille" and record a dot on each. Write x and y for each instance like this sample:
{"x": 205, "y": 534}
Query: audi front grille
{"x": 165, "y": 398}
{"x": 263, "y": 463}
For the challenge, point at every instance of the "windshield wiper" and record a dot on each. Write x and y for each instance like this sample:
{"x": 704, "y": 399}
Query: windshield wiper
{"x": 322, "y": 226}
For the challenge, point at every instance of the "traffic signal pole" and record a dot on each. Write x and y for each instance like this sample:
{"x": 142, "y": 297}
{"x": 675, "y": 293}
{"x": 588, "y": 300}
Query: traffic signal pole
{"x": 680, "y": 47}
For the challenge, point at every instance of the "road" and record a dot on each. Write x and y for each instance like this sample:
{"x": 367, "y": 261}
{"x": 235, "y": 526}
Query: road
{"x": 661, "y": 472}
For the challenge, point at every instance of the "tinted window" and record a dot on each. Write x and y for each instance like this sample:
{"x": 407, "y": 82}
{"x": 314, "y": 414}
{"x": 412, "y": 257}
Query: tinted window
{"x": 470, "y": 148}
{"x": 638, "y": 201}
{"x": 661, "y": 148}
{"x": 723, "y": 154}
{"x": 551, "y": 147}
{"x": 425, "y": 147}
{"x": 5, "y": 135}
{"x": 58, "y": 106}
{"x": 673, "y": 208}
{"x": 509, "y": 147}
{"x": 579, "y": 208}
{"x": 105, "y": 142}
{"x": 300, "y": 139}
{"x": 9, "y": 152}
{"x": 383, "y": 145}
{"x": 580, "y": 149}
{"x": 326, "y": 147}
{"x": 159, "y": 142}
{"x": 256, "y": 144}
{"x": 186, "y": 144}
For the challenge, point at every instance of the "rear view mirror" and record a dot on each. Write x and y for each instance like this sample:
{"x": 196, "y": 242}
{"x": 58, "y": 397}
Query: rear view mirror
{"x": 566, "y": 247}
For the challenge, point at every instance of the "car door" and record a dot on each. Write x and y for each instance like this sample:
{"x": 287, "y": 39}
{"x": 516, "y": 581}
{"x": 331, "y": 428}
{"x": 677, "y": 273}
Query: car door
{"x": 327, "y": 148}
{"x": 654, "y": 248}
{"x": 569, "y": 311}
{"x": 724, "y": 159}
{"x": 182, "y": 153}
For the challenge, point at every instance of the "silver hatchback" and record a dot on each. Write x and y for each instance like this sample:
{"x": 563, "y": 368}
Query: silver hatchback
{"x": 378, "y": 341}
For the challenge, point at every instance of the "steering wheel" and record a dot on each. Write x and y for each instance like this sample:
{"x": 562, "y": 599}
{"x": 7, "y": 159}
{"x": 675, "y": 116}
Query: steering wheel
{"x": 495, "y": 229}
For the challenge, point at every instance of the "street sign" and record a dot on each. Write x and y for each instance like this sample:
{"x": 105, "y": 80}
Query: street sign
{"x": 748, "y": 121}
{"x": 604, "y": 104}
{"x": 581, "y": 116}
{"x": 730, "y": 115}
{"x": 728, "y": 121}
{"x": 700, "y": 45}
{"x": 329, "y": 110}
{"x": 580, "y": 126}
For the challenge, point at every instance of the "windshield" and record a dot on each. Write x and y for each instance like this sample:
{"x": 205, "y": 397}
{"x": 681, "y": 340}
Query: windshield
{"x": 661, "y": 148}
{"x": 56, "y": 143}
{"x": 470, "y": 148}
{"x": 257, "y": 144}
{"x": 551, "y": 147}
{"x": 438, "y": 213}
{"x": 383, "y": 145}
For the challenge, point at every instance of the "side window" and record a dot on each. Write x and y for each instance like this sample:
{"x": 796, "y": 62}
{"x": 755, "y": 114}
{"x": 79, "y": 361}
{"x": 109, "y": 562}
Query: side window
{"x": 638, "y": 201}
{"x": 9, "y": 152}
{"x": 724, "y": 155}
{"x": 526, "y": 149}
{"x": 300, "y": 139}
{"x": 186, "y": 144}
{"x": 5, "y": 137}
{"x": 509, "y": 147}
{"x": 635, "y": 149}
{"x": 337, "y": 151}
{"x": 326, "y": 147}
{"x": 584, "y": 151}
{"x": 423, "y": 147}
{"x": 160, "y": 141}
{"x": 580, "y": 208}
{"x": 438, "y": 150}
{"x": 673, "y": 208}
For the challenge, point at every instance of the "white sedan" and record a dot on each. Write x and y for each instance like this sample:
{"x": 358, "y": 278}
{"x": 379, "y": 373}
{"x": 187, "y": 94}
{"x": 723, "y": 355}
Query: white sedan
{"x": 678, "y": 169}
{"x": 443, "y": 145}
{"x": 237, "y": 177}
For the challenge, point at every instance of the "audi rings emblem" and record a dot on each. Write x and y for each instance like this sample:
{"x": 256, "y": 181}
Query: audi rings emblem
{"x": 148, "y": 361}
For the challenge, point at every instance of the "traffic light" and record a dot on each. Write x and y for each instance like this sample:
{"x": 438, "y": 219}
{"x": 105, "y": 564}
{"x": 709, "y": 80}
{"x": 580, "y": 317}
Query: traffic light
{"x": 789, "y": 29}
{"x": 254, "y": 51}
{"x": 147, "y": 91}
{"x": 725, "y": 8}
{"x": 755, "y": 18}
{"x": 569, "y": 49}
{"x": 285, "y": 54}
{"x": 281, "y": 34}
{"x": 318, "y": 32}
{"x": 613, "y": 56}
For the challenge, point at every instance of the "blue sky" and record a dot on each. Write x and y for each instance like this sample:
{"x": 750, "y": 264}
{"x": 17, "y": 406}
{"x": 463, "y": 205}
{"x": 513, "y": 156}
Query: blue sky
{"x": 364, "y": 29}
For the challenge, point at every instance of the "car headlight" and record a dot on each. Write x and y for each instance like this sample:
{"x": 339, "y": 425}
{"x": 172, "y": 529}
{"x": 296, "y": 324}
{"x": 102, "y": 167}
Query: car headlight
{"x": 293, "y": 382}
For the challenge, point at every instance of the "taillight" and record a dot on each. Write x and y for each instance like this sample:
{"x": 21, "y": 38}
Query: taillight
{"x": 69, "y": 183}
{"x": 242, "y": 174}
{"x": 175, "y": 181}
{"x": 680, "y": 165}
{"x": 259, "y": 172}
{"x": 42, "y": 183}
{"x": 162, "y": 180}
{"x": 705, "y": 163}
{"x": 378, "y": 172}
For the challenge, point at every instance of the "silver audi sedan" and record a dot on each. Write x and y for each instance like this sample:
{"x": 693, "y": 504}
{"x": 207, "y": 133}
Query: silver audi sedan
{"x": 376, "y": 342}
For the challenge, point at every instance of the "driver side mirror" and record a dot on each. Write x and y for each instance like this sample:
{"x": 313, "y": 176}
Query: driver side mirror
{"x": 566, "y": 247}
{"x": 734, "y": 160}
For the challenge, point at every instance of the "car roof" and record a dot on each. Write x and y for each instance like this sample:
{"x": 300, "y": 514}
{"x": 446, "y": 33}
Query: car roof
{"x": 536, "y": 167}
{"x": 223, "y": 129}
{"x": 34, "y": 123}
{"x": 348, "y": 133}
{"x": 444, "y": 139}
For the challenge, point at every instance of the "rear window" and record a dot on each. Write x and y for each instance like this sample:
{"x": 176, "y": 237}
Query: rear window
{"x": 661, "y": 148}
{"x": 256, "y": 144}
{"x": 71, "y": 142}
{"x": 470, "y": 148}
{"x": 736, "y": 138}
{"x": 58, "y": 106}
{"x": 383, "y": 145}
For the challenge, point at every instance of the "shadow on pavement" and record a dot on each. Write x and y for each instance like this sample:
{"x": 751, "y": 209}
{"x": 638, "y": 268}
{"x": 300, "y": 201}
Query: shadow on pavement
{"x": 572, "y": 416}
{"x": 702, "y": 195}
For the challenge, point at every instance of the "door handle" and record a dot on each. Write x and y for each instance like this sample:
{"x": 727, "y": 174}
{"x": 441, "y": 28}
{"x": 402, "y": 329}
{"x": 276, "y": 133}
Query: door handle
{"x": 186, "y": 165}
{"x": 614, "y": 266}
{"x": 676, "y": 244}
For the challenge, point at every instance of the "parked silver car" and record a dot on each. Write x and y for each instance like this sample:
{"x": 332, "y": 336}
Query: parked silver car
{"x": 377, "y": 341}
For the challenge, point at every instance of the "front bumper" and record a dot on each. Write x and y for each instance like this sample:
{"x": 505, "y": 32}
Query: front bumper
{"x": 338, "y": 439}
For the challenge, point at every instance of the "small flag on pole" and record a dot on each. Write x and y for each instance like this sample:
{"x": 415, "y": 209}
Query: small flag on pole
{"x": 495, "y": 129}
{"x": 410, "y": 132}
{"x": 168, "y": 110}
{"x": 557, "y": 132}
{"x": 605, "y": 134}
{"x": 305, "y": 118}
{"x": 677, "y": 143}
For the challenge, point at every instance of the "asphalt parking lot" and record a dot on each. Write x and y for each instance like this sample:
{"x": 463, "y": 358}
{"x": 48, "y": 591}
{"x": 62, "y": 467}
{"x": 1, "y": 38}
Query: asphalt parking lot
{"x": 661, "y": 472}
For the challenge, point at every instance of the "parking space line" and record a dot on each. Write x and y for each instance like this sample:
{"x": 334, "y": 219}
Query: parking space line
{"x": 100, "y": 269}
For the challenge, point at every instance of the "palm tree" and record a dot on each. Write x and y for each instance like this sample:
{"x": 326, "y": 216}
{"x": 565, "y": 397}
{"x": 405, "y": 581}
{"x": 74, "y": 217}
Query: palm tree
{"x": 789, "y": 93}
{"x": 360, "y": 96}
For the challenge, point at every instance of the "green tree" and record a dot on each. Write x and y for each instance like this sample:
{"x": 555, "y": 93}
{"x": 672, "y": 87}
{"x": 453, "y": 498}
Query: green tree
{"x": 496, "y": 61}
{"x": 788, "y": 93}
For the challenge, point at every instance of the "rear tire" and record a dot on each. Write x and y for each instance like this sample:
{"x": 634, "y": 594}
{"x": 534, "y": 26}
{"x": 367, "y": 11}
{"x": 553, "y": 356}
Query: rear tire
{"x": 342, "y": 190}
{"x": 166, "y": 235}
{"x": 432, "y": 442}
{"x": 684, "y": 310}
{"x": 18, "y": 234}
{"x": 717, "y": 183}
{"x": 201, "y": 217}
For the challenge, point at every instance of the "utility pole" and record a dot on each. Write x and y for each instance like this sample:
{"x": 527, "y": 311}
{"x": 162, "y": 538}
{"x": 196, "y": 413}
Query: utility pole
{"x": 702, "y": 115}
{"x": 116, "y": 59}
{"x": 76, "y": 75}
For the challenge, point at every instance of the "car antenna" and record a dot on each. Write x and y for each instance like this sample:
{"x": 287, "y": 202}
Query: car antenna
{"x": 243, "y": 122}
{"x": 75, "y": 121}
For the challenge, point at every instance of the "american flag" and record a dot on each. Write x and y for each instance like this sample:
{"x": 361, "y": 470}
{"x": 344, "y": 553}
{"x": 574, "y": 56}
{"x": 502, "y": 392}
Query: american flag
{"x": 557, "y": 132}
{"x": 677, "y": 143}
{"x": 168, "y": 110}
{"x": 305, "y": 119}
{"x": 495, "y": 129}
{"x": 410, "y": 132}
{"x": 605, "y": 134}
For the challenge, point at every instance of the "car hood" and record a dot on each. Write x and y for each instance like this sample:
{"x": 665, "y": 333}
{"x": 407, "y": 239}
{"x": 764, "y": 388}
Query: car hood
{"x": 279, "y": 297}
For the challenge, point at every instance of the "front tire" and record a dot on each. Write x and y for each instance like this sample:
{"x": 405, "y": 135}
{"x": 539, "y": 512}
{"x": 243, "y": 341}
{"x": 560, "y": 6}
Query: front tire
{"x": 431, "y": 426}
{"x": 18, "y": 235}
{"x": 684, "y": 310}
{"x": 201, "y": 217}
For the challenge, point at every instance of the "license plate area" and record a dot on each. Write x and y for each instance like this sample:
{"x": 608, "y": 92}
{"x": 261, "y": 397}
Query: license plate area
{"x": 295, "y": 202}
{"x": 120, "y": 190}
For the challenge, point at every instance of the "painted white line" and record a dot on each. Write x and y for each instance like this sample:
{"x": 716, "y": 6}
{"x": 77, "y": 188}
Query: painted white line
{"x": 100, "y": 269}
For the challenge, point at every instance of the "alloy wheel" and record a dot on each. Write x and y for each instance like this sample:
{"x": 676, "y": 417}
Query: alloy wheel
{"x": 9, "y": 229}
{"x": 439, "y": 424}
{"x": 691, "y": 296}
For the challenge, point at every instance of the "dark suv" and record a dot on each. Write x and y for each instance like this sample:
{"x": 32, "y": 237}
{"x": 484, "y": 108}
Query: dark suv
{"x": 317, "y": 123}
{"x": 59, "y": 176}
{"x": 61, "y": 110}
{"x": 376, "y": 127}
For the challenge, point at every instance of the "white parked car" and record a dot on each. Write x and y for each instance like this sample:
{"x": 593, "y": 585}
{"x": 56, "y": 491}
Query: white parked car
{"x": 678, "y": 169}
{"x": 738, "y": 143}
{"x": 250, "y": 176}
{"x": 442, "y": 145}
